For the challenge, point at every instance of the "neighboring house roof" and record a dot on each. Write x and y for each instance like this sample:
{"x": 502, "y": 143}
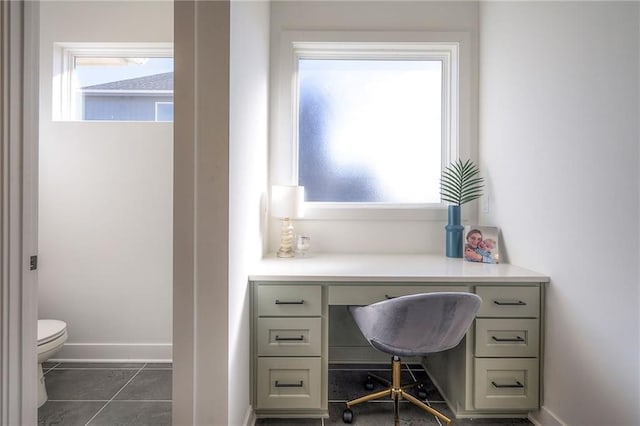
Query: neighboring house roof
{"x": 154, "y": 82}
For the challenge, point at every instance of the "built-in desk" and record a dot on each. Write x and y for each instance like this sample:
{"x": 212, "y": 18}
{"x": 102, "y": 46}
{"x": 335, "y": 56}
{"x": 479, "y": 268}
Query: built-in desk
{"x": 299, "y": 324}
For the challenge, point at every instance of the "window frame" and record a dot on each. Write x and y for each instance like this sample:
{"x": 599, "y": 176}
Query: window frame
{"x": 64, "y": 108}
{"x": 452, "y": 48}
{"x": 157, "y": 104}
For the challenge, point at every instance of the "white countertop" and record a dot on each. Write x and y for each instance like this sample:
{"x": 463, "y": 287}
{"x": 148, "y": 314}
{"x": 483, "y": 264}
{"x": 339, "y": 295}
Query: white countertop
{"x": 378, "y": 267}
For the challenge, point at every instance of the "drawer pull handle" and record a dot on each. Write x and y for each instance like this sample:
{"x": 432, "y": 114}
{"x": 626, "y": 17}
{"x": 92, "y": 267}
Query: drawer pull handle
{"x": 516, "y": 385}
{"x": 289, "y": 385}
{"x": 293, "y": 302}
{"x": 508, "y": 339}
{"x": 289, "y": 339}
{"x": 509, "y": 303}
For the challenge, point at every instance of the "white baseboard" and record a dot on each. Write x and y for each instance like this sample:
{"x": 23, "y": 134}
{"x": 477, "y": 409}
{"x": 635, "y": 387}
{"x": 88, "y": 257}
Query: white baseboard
{"x": 545, "y": 417}
{"x": 115, "y": 352}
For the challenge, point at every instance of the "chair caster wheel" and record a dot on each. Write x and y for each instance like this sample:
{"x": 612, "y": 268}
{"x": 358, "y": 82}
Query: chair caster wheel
{"x": 422, "y": 393}
{"x": 368, "y": 385}
{"x": 347, "y": 416}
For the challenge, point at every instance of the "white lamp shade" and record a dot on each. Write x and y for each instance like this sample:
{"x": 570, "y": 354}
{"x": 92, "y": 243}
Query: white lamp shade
{"x": 287, "y": 201}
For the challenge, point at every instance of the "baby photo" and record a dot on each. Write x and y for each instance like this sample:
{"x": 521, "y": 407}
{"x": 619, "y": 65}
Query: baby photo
{"x": 480, "y": 244}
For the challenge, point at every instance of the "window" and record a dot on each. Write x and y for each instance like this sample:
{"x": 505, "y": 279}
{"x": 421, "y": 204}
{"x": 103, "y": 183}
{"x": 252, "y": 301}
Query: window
{"x": 164, "y": 111}
{"x": 370, "y": 130}
{"x": 367, "y": 121}
{"x": 115, "y": 83}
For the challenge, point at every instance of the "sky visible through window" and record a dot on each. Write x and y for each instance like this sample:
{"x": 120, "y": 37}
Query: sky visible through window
{"x": 118, "y": 88}
{"x": 92, "y": 71}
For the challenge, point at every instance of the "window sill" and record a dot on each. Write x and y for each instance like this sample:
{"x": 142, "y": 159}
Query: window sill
{"x": 345, "y": 211}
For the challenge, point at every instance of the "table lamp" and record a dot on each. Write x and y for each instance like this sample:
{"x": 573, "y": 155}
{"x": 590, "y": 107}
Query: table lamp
{"x": 286, "y": 204}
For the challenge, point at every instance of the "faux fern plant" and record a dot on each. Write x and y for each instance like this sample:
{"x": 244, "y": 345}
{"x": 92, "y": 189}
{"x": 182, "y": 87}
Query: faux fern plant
{"x": 460, "y": 182}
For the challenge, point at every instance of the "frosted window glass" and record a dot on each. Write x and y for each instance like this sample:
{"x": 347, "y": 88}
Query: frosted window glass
{"x": 370, "y": 130}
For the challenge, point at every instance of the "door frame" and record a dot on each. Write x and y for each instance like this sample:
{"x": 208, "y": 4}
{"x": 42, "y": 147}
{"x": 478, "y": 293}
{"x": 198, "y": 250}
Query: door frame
{"x": 19, "y": 40}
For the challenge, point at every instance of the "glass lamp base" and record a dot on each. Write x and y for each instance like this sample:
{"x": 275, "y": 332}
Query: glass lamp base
{"x": 286, "y": 239}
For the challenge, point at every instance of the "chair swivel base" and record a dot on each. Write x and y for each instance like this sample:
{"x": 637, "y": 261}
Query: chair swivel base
{"x": 397, "y": 392}
{"x": 422, "y": 393}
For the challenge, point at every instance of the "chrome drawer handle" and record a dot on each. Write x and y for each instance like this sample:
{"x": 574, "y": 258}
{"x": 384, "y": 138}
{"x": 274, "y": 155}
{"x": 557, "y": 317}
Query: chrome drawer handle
{"x": 293, "y": 302}
{"x": 289, "y": 385}
{"x": 516, "y": 385}
{"x": 289, "y": 339}
{"x": 510, "y": 303}
{"x": 508, "y": 339}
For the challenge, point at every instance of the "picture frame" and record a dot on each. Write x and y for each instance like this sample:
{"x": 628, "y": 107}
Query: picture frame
{"x": 480, "y": 244}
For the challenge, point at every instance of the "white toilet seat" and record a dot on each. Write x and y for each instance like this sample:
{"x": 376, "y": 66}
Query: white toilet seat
{"x": 49, "y": 330}
{"x": 51, "y": 336}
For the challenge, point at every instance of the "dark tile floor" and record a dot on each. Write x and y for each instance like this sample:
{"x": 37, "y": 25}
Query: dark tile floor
{"x": 137, "y": 394}
{"x": 106, "y": 394}
{"x": 346, "y": 382}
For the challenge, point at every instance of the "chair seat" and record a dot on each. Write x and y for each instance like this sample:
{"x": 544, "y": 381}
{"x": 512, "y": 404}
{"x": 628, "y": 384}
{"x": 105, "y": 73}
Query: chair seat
{"x": 414, "y": 325}
{"x": 418, "y": 324}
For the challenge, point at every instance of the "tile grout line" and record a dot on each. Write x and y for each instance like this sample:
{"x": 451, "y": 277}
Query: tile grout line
{"x": 114, "y": 396}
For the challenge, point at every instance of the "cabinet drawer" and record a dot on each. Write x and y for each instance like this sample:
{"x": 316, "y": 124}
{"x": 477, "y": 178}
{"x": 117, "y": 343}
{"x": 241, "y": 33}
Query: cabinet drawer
{"x": 509, "y": 301}
{"x": 506, "y": 383}
{"x": 289, "y": 383}
{"x": 507, "y": 337}
{"x": 366, "y": 295}
{"x": 289, "y": 300}
{"x": 289, "y": 337}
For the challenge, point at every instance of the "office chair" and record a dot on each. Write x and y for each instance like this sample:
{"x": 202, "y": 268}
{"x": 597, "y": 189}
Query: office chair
{"x": 414, "y": 325}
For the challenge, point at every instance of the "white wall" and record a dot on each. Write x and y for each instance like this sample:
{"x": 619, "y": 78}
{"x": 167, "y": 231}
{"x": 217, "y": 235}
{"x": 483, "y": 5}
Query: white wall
{"x": 373, "y": 236}
{"x": 248, "y": 133}
{"x": 105, "y": 218}
{"x": 559, "y": 142}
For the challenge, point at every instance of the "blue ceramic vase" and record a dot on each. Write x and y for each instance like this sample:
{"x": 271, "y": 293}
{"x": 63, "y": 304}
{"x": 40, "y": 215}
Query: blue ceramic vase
{"x": 454, "y": 233}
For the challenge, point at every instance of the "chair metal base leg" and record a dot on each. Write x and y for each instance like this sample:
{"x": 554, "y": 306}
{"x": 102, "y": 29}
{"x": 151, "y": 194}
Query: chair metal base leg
{"x": 379, "y": 379}
{"x": 396, "y": 409}
{"x": 425, "y": 407}
{"x": 397, "y": 393}
{"x": 370, "y": 397}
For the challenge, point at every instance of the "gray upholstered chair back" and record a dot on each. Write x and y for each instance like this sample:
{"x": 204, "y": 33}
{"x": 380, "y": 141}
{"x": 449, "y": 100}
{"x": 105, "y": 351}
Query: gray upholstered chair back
{"x": 419, "y": 324}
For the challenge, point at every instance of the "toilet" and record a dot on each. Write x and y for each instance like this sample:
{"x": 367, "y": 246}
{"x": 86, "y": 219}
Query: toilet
{"x": 51, "y": 336}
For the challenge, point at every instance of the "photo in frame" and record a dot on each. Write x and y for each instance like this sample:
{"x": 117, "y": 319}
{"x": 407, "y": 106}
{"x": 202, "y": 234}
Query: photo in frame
{"x": 480, "y": 244}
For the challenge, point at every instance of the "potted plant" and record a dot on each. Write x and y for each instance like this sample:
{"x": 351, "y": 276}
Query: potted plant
{"x": 459, "y": 184}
